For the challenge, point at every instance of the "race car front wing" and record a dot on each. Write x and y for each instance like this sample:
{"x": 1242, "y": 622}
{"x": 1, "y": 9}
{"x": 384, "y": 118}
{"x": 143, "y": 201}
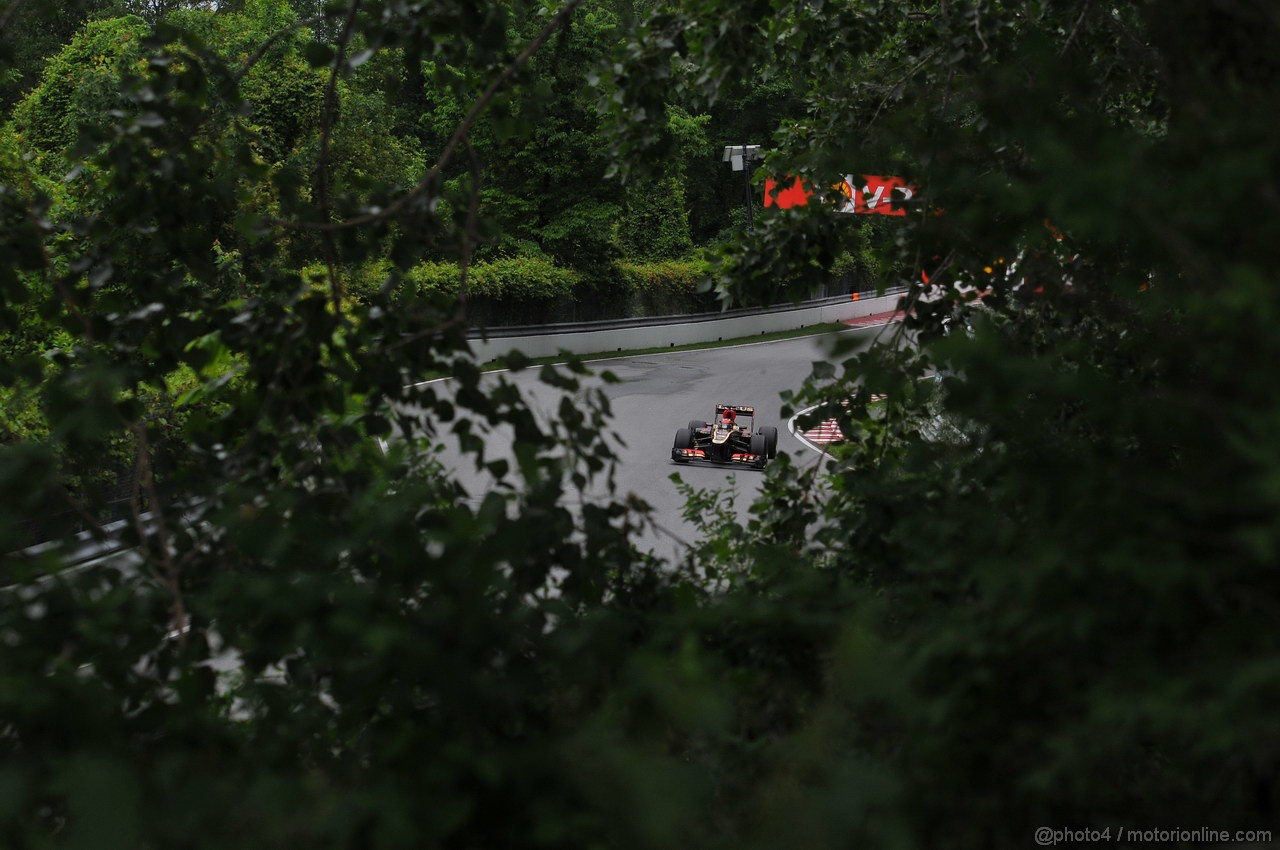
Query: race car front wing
{"x": 699, "y": 454}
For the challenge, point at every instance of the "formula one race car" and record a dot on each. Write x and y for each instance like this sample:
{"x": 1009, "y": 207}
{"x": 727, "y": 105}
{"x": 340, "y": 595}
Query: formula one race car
{"x": 726, "y": 440}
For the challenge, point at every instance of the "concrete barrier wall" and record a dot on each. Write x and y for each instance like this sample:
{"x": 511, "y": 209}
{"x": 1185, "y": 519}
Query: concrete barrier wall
{"x": 609, "y": 338}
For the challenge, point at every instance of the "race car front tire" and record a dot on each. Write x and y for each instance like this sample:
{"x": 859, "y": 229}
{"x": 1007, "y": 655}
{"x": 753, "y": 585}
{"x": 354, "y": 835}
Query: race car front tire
{"x": 760, "y": 447}
{"x": 771, "y": 441}
{"x": 684, "y": 440}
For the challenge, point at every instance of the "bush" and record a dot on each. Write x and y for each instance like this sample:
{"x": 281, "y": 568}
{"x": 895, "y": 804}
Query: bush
{"x": 511, "y": 280}
{"x": 506, "y": 279}
{"x": 665, "y": 287}
{"x": 860, "y": 271}
{"x": 507, "y": 290}
{"x": 361, "y": 282}
{"x": 534, "y": 290}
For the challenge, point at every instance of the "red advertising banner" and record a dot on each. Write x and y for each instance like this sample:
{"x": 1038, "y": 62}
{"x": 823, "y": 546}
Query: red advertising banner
{"x": 865, "y": 194}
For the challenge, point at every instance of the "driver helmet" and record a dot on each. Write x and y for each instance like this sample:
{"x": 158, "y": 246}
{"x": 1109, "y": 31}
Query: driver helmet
{"x": 729, "y": 416}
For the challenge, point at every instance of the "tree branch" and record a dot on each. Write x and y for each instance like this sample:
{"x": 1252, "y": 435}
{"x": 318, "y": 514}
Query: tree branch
{"x": 1075, "y": 29}
{"x": 322, "y": 167}
{"x": 9, "y": 12}
{"x": 471, "y": 235}
{"x": 267, "y": 45}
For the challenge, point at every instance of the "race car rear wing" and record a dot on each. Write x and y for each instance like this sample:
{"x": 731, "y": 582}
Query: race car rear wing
{"x": 736, "y": 408}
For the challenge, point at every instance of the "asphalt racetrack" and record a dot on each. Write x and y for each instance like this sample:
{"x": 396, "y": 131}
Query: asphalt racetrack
{"x": 659, "y": 393}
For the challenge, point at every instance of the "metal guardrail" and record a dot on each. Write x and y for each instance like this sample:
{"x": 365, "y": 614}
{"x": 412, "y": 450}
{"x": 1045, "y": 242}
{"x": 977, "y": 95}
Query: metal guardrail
{"x": 499, "y": 332}
{"x": 659, "y": 332}
{"x": 79, "y": 552}
{"x": 502, "y": 331}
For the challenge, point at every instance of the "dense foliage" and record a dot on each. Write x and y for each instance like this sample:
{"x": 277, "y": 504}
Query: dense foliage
{"x": 1036, "y": 591}
{"x": 392, "y": 111}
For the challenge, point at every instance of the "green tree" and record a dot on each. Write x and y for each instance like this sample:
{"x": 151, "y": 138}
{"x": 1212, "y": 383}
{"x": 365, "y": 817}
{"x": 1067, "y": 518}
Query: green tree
{"x": 81, "y": 86}
{"x": 655, "y": 219}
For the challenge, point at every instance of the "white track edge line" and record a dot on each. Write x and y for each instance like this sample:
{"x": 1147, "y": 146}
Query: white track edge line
{"x": 791, "y": 426}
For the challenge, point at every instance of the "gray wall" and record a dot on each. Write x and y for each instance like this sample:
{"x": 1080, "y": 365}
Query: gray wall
{"x": 610, "y": 336}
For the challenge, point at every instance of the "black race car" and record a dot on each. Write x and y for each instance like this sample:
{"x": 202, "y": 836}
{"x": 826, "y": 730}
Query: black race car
{"x": 729, "y": 439}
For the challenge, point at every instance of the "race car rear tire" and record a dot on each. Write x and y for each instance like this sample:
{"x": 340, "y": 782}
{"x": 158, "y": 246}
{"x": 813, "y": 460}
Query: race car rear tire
{"x": 771, "y": 440}
{"x": 760, "y": 447}
{"x": 696, "y": 424}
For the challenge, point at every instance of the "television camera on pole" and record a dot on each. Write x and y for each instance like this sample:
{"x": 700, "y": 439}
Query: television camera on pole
{"x": 740, "y": 158}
